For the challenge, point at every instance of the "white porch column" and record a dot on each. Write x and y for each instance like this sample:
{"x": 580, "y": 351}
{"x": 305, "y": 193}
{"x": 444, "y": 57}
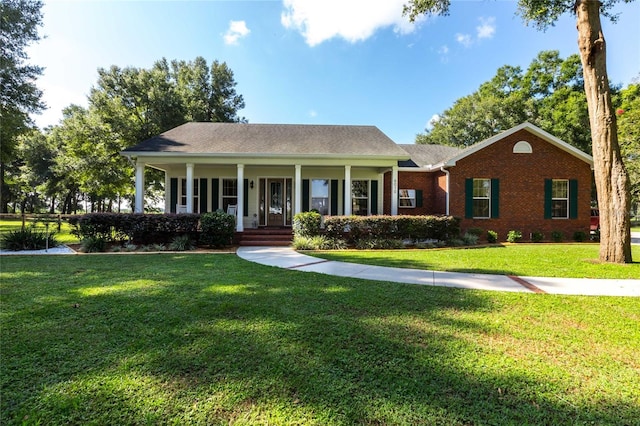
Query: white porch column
{"x": 297, "y": 207}
{"x": 394, "y": 191}
{"x": 189, "y": 187}
{"x": 347, "y": 191}
{"x": 167, "y": 192}
{"x": 139, "y": 207}
{"x": 240, "y": 210}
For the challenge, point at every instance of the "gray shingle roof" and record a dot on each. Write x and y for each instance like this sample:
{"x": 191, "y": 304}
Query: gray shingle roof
{"x": 272, "y": 139}
{"x": 424, "y": 155}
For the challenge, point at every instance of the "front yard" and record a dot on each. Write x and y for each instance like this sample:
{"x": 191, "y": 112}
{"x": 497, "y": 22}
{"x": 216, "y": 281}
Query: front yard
{"x": 212, "y": 339}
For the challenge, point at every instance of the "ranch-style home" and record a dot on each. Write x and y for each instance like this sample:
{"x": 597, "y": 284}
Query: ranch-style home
{"x": 523, "y": 179}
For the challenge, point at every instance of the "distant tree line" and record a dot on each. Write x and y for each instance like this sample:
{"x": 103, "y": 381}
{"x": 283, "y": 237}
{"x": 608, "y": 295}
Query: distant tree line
{"x": 550, "y": 94}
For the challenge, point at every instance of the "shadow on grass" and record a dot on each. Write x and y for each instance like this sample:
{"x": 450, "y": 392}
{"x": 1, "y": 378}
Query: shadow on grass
{"x": 213, "y": 339}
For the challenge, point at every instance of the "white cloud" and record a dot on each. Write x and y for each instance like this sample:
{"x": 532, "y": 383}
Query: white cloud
{"x": 236, "y": 31}
{"x": 444, "y": 49}
{"x": 487, "y": 27}
{"x": 352, "y": 20}
{"x": 313, "y": 113}
{"x": 464, "y": 39}
{"x": 432, "y": 121}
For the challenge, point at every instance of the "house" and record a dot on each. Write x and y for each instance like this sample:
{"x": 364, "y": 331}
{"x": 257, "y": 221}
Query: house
{"x": 523, "y": 179}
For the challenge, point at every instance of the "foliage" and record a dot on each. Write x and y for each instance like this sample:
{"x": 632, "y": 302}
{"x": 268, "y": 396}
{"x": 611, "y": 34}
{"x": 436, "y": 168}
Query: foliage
{"x": 217, "y": 229}
{"x": 353, "y": 228}
{"x": 550, "y": 94}
{"x": 537, "y": 237}
{"x": 628, "y": 117}
{"x": 557, "y": 236}
{"x": 307, "y": 242}
{"x": 181, "y": 243}
{"x": 514, "y": 236}
{"x": 307, "y": 224}
{"x": 28, "y": 238}
{"x": 19, "y": 95}
{"x": 142, "y": 228}
{"x": 492, "y": 237}
{"x": 93, "y": 244}
{"x": 377, "y": 243}
{"x": 470, "y": 239}
{"x": 579, "y": 236}
{"x": 147, "y": 343}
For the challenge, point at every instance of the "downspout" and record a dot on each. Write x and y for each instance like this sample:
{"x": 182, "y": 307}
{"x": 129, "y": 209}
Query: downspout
{"x": 446, "y": 173}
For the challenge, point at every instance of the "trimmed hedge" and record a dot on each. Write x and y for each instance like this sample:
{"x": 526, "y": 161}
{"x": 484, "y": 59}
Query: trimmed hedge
{"x": 417, "y": 228}
{"x": 218, "y": 229}
{"x": 307, "y": 224}
{"x": 135, "y": 227}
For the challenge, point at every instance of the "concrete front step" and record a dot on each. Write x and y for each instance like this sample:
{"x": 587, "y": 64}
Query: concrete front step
{"x": 266, "y": 237}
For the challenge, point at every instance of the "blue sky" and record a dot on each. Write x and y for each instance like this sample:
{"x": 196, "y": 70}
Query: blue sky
{"x": 313, "y": 61}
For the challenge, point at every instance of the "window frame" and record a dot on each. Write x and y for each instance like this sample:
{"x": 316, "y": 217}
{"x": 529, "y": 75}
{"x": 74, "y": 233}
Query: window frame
{"x": 226, "y": 199}
{"x": 404, "y": 195}
{"x": 487, "y": 198}
{"x": 313, "y": 196}
{"x": 182, "y": 193}
{"x": 367, "y": 197}
{"x": 564, "y": 200}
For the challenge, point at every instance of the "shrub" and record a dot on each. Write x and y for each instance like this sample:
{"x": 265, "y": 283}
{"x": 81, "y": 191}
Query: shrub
{"x": 307, "y": 224}
{"x": 470, "y": 239}
{"x": 354, "y": 228}
{"x": 455, "y": 242}
{"x": 316, "y": 242}
{"x": 537, "y": 236}
{"x": 93, "y": 244}
{"x": 475, "y": 231}
{"x": 218, "y": 229}
{"x": 557, "y": 236}
{"x": 372, "y": 243}
{"x": 492, "y": 236}
{"x": 28, "y": 238}
{"x": 181, "y": 243}
{"x": 579, "y": 236}
{"x": 514, "y": 236}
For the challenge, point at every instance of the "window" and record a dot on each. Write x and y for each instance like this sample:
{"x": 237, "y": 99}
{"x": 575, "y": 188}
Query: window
{"x": 320, "y": 195}
{"x": 229, "y": 193}
{"x": 360, "y": 197}
{"x": 482, "y": 198}
{"x": 560, "y": 199}
{"x": 196, "y": 194}
{"x": 407, "y": 198}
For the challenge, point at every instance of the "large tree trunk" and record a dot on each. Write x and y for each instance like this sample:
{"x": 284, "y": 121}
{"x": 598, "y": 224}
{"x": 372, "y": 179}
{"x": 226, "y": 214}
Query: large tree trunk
{"x": 612, "y": 181}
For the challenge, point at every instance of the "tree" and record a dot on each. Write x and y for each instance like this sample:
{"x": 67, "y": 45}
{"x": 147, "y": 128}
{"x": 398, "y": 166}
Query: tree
{"x": 628, "y": 112}
{"x": 549, "y": 94}
{"x": 611, "y": 178}
{"x": 19, "y": 95}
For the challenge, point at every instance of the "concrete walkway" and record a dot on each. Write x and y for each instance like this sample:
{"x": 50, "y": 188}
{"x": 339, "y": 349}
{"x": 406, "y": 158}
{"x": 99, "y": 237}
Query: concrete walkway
{"x": 285, "y": 257}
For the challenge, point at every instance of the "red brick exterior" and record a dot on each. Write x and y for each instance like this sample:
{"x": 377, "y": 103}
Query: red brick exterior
{"x": 521, "y": 194}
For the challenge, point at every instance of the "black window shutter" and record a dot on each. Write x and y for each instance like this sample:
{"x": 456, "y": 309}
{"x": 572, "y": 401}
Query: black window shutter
{"x": 419, "y": 198}
{"x": 573, "y": 199}
{"x": 203, "y": 195}
{"x": 495, "y": 198}
{"x": 548, "y": 188}
{"x": 173, "y": 197}
{"x": 245, "y": 201}
{"x": 334, "y": 197}
{"x": 305, "y": 195}
{"x": 374, "y": 197}
{"x": 215, "y": 194}
{"x": 468, "y": 198}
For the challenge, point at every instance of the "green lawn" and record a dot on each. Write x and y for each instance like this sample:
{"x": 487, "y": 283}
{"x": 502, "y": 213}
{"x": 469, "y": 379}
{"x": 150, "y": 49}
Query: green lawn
{"x": 63, "y": 237}
{"x": 542, "y": 260}
{"x": 212, "y": 339}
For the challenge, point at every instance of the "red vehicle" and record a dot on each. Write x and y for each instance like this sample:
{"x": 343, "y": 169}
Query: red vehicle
{"x": 595, "y": 221}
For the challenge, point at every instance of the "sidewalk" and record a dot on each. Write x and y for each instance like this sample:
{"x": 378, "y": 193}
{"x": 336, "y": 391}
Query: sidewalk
{"x": 285, "y": 257}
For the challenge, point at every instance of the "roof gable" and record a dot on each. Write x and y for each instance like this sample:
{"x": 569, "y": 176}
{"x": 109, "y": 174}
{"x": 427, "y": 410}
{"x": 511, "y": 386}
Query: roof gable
{"x": 425, "y": 155}
{"x": 548, "y": 137}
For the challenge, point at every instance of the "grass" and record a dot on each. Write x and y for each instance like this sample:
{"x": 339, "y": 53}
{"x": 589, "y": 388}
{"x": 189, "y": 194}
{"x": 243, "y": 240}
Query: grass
{"x": 63, "y": 237}
{"x": 546, "y": 260}
{"x": 212, "y": 339}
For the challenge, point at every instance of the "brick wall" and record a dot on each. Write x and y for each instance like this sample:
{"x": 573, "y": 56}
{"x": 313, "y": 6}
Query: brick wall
{"x": 521, "y": 191}
{"x": 432, "y": 194}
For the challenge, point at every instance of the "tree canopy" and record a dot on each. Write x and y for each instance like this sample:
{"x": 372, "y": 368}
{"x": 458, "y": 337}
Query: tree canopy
{"x": 80, "y": 157}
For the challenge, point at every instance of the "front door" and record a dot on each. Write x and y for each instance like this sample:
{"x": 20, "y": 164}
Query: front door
{"x": 275, "y": 202}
